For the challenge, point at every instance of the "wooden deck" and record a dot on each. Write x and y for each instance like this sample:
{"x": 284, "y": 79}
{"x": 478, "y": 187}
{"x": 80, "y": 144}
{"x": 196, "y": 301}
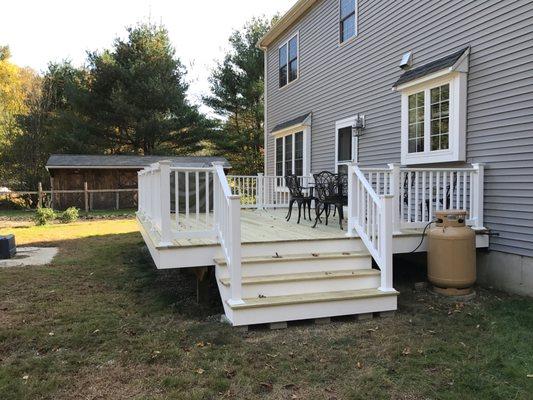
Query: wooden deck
{"x": 266, "y": 226}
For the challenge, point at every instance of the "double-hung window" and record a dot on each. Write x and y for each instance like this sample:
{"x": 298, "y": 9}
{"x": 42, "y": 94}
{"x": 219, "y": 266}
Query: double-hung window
{"x": 348, "y": 19}
{"x": 290, "y": 154}
{"x": 288, "y": 61}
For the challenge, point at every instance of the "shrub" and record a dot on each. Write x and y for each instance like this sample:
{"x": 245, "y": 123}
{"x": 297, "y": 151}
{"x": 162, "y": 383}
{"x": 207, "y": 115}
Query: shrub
{"x": 71, "y": 214}
{"x": 44, "y": 215}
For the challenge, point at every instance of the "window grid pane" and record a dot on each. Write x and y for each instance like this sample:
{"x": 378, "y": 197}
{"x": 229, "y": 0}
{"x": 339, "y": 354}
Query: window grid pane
{"x": 298, "y": 153}
{"x": 439, "y": 127}
{"x": 283, "y": 65}
{"x": 279, "y": 157}
{"x": 416, "y": 123}
{"x": 347, "y": 19}
{"x": 288, "y": 155}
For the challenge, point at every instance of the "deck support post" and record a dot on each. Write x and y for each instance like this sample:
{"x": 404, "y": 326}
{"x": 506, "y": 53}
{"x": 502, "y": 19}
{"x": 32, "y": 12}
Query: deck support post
{"x": 164, "y": 209}
{"x": 394, "y": 190}
{"x": 478, "y": 188}
{"x": 385, "y": 239}
{"x": 352, "y": 196}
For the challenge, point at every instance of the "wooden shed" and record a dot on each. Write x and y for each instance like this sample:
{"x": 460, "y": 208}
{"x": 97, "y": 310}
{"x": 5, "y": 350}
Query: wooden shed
{"x": 113, "y": 176}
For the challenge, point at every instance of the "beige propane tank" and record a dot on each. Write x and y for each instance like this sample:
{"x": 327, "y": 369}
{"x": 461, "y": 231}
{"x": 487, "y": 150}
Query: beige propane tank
{"x": 452, "y": 254}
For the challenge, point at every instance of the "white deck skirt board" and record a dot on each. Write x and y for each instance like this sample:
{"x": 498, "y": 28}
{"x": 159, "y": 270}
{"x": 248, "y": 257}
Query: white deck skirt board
{"x": 265, "y": 233}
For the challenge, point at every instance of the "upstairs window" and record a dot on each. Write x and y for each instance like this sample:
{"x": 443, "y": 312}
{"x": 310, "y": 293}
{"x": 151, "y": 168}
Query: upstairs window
{"x": 348, "y": 19}
{"x": 288, "y": 61}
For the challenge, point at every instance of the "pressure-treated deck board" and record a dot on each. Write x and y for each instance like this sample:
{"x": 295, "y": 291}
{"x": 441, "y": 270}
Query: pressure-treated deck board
{"x": 266, "y": 226}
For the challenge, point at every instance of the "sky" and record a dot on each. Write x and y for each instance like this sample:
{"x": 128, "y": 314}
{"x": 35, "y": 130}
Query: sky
{"x": 38, "y": 31}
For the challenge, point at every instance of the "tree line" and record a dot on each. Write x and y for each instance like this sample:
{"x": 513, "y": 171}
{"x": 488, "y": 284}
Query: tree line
{"x": 132, "y": 99}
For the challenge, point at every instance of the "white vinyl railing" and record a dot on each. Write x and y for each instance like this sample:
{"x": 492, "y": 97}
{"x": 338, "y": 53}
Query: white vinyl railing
{"x": 228, "y": 227}
{"x": 423, "y": 191}
{"x": 370, "y": 215}
{"x": 260, "y": 191}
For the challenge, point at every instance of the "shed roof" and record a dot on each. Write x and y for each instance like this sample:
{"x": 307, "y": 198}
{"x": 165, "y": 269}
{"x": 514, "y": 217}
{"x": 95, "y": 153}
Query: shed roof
{"x": 429, "y": 68}
{"x": 86, "y": 161}
{"x": 292, "y": 122}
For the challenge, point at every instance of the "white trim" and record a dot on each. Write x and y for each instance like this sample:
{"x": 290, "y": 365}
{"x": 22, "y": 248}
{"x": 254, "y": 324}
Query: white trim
{"x": 343, "y": 123}
{"x": 286, "y": 42}
{"x": 457, "y": 120}
{"x": 265, "y": 110}
{"x": 356, "y": 21}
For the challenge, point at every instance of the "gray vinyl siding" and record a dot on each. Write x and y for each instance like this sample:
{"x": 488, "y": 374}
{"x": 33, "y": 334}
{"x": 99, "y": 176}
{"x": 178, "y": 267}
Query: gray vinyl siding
{"x": 336, "y": 82}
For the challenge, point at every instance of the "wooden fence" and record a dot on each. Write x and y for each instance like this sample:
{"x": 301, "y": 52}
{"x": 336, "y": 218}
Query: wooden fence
{"x": 49, "y": 198}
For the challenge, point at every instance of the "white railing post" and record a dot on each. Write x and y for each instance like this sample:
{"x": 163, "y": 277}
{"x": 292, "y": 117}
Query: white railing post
{"x": 477, "y": 192}
{"x": 352, "y": 201}
{"x": 259, "y": 190}
{"x": 235, "y": 249}
{"x": 385, "y": 238}
{"x": 164, "y": 199}
{"x": 394, "y": 190}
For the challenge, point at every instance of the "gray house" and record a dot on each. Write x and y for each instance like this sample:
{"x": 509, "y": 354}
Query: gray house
{"x": 335, "y": 93}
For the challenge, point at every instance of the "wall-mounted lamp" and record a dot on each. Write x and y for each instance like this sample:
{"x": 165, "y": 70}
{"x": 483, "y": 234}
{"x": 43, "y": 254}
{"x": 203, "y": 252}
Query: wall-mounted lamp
{"x": 359, "y": 125}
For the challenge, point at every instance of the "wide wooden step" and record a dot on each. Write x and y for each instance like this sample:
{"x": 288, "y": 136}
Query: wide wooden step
{"x": 298, "y": 263}
{"x": 305, "y": 276}
{"x": 282, "y": 258}
{"x": 319, "y": 297}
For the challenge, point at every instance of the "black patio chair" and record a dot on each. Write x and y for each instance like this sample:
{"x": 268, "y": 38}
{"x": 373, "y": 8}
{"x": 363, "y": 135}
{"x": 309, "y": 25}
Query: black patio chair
{"x": 329, "y": 192}
{"x": 297, "y": 195}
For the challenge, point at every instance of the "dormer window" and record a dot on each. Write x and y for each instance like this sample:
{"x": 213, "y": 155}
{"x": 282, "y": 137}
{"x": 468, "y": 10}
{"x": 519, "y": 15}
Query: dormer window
{"x": 348, "y": 19}
{"x": 288, "y": 61}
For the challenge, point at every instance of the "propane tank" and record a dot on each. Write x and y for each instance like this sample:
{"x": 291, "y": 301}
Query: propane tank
{"x": 452, "y": 254}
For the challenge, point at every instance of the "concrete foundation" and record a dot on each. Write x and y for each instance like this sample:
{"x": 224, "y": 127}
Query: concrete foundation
{"x": 508, "y": 272}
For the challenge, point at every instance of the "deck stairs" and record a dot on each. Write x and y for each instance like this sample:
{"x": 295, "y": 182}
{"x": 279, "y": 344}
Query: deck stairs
{"x": 311, "y": 285}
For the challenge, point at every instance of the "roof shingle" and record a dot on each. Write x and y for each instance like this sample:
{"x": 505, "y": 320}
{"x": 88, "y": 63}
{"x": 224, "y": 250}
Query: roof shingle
{"x": 126, "y": 161}
{"x": 429, "y": 68}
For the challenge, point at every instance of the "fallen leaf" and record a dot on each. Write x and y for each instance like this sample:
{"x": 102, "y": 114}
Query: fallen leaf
{"x": 51, "y": 334}
{"x": 289, "y": 386}
{"x": 200, "y": 344}
{"x": 26, "y": 377}
{"x": 272, "y": 355}
{"x": 200, "y": 371}
{"x": 230, "y": 373}
{"x": 266, "y": 385}
{"x": 96, "y": 331}
{"x": 359, "y": 365}
{"x": 406, "y": 351}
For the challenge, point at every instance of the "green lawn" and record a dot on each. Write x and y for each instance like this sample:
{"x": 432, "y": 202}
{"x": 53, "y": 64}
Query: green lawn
{"x": 101, "y": 322}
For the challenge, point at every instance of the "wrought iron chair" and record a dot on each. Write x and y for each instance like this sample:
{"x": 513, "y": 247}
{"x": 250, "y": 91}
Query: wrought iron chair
{"x": 329, "y": 192}
{"x": 297, "y": 195}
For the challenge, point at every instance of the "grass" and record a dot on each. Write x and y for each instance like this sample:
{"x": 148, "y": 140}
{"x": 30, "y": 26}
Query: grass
{"x": 101, "y": 322}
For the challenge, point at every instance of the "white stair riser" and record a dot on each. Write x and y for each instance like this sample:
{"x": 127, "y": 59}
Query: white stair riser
{"x": 302, "y": 247}
{"x": 309, "y": 286}
{"x": 289, "y": 266}
{"x": 293, "y": 312}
